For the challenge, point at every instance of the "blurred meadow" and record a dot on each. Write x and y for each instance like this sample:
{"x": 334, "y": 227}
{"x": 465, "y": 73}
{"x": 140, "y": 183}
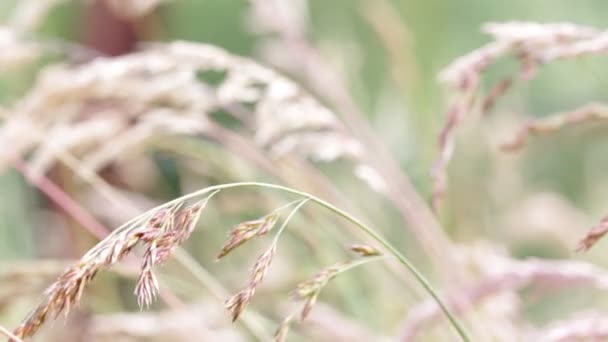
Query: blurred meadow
{"x": 110, "y": 108}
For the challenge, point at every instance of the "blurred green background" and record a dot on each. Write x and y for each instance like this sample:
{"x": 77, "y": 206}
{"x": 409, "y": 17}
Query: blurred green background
{"x": 534, "y": 203}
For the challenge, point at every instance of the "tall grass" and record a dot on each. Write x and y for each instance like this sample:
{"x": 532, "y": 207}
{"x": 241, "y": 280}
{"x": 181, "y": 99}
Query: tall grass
{"x": 173, "y": 135}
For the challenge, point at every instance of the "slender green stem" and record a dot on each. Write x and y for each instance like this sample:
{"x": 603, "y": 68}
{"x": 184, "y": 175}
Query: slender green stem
{"x": 286, "y": 205}
{"x": 286, "y": 221}
{"x": 359, "y": 224}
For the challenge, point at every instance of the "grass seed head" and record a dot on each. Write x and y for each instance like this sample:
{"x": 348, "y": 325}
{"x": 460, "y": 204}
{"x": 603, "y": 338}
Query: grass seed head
{"x": 593, "y": 235}
{"x": 246, "y": 231}
{"x": 146, "y": 288}
{"x": 365, "y": 250}
{"x": 168, "y": 229}
{"x": 310, "y": 289}
{"x": 160, "y": 235}
{"x": 239, "y": 301}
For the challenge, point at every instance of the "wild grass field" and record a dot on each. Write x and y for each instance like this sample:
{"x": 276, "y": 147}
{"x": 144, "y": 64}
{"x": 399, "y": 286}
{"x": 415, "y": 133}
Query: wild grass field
{"x": 303, "y": 170}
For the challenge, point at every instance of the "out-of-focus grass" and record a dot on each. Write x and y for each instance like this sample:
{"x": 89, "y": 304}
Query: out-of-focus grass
{"x": 569, "y": 164}
{"x": 17, "y": 217}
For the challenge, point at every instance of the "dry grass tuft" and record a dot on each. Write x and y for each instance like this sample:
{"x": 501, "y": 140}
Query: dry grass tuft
{"x": 160, "y": 231}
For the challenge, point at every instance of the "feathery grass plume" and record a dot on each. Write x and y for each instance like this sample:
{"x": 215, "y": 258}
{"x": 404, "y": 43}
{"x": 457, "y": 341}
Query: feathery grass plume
{"x": 284, "y": 118}
{"x": 281, "y": 334}
{"x": 172, "y": 227}
{"x": 593, "y": 236}
{"x": 246, "y": 231}
{"x": 532, "y": 45}
{"x": 587, "y": 113}
{"x": 159, "y": 230}
{"x": 237, "y": 303}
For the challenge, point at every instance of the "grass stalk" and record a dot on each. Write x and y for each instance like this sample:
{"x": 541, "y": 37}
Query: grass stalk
{"x": 358, "y": 223}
